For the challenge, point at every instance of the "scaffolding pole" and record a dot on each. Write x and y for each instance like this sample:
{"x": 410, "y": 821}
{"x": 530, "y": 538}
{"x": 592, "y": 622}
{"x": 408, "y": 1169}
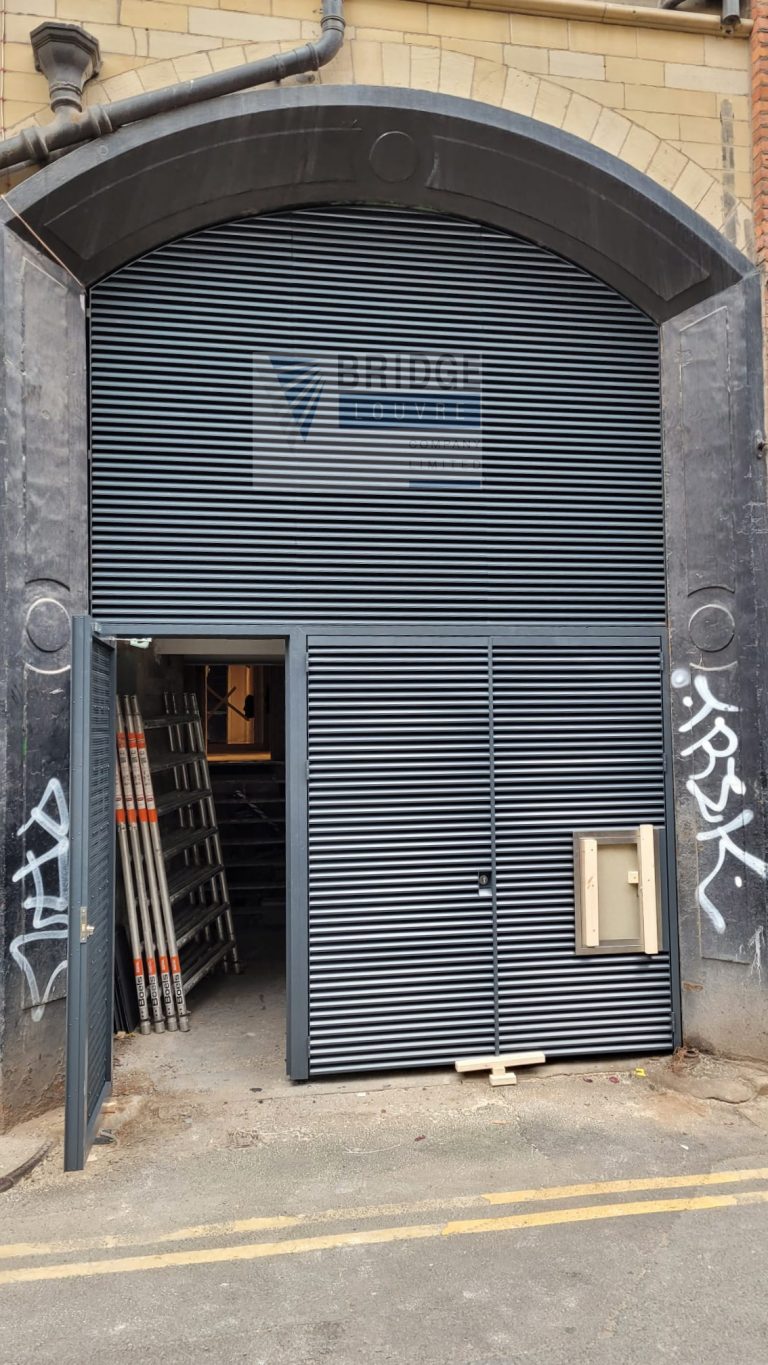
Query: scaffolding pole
{"x": 141, "y": 892}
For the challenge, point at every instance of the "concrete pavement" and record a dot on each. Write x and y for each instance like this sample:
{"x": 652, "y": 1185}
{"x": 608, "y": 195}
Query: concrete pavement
{"x": 599, "y": 1217}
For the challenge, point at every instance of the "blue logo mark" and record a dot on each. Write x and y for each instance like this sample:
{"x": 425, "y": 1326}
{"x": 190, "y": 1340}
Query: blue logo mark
{"x": 302, "y": 382}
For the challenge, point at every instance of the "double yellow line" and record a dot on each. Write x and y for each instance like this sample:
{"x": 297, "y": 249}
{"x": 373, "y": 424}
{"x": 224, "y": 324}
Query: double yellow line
{"x": 373, "y": 1236}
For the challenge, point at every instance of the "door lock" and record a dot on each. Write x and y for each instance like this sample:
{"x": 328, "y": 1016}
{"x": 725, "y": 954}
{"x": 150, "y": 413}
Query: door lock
{"x": 484, "y": 880}
{"x": 86, "y": 929}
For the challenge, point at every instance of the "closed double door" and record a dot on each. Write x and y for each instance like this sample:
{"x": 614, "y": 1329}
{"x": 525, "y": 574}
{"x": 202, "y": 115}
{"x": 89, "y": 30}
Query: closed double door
{"x": 446, "y": 777}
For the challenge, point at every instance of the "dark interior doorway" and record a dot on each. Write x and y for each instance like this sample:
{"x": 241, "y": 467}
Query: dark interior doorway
{"x": 239, "y": 691}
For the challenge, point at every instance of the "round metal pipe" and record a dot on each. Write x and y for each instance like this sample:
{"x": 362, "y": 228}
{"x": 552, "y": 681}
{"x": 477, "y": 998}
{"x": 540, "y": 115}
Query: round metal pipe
{"x": 38, "y": 144}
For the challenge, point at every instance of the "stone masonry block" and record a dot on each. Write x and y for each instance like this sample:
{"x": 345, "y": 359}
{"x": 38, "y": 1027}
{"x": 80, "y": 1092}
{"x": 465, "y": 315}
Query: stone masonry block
{"x": 639, "y": 148}
{"x": 18, "y": 112}
{"x": 42, "y": 9}
{"x": 692, "y": 184}
{"x": 19, "y": 57}
{"x": 114, "y": 37}
{"x": 402, "y": 15}
{"x": 636, "y": 70}
{"x": 249, "y": 7}
{"x": 586, "y": 66}
{"x": 712, "y": 206}
{"x": 366, "y": 62}
{"x": 608, "y": 93}
{"x": 164, "y": 45}
{"x": 678, "y": 76}
{"x": 614, "y": 39}
{"x": 535, "y": 59}
{"x": 293, "y": 9}
{"x": 451, "y": 21}
{"x": 551, "y": 104}
{"x": 666, "y": 126}
{"x": 425, "y": 68}
{"x": 124, "y": 86}
{"x": 581, "y": 116}
{"x": 520, "y": 92}
{"x": 670, "y": 47}
{"x": 25, "y": 86}
{"x": 254, "y": 28}
{"x": 157, "y": 74}
{"x": 666, "y": 165}
{"x": 81, "y": 11}
{"x": 193, "y": 65}
{"x": 489, "y": 52}
{"x": 611, "y": 131}
{"x": 365, "y": 35}
{"x": 531, "y": 31}
{"x": 224, "y": 58}
{"x": 456, "y": 72}
{"x": 711, "y": 130}
{"x": 725, "y": 52}
{"x": 489, "y": 81}
{"x": 152, "y": 14}
{"x": 396, "y": 64}
{"x": 657, "y": 101}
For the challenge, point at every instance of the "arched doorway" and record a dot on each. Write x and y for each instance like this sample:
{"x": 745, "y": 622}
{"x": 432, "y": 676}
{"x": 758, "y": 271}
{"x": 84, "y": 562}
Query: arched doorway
{"x": 114, "y": 201}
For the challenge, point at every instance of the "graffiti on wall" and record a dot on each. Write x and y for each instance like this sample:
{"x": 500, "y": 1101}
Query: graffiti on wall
{"x": 45, "y": 874}
{"x": 717, "y": 789}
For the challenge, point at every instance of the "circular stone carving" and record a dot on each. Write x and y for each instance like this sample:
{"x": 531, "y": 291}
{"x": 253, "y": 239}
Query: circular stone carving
{"x": 712, "y": 627}
{"x": 48, "y": 625}
{"x": 394, "y": 157}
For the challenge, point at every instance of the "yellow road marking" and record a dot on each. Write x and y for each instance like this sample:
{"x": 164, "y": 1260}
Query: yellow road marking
{"x": 653, "y": 1182}
{"x": 284, "y": 1222}
{"x": 375, "y": 1236}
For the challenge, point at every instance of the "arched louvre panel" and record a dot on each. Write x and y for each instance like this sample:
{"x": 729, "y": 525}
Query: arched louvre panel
{"x": 226, "y": 484}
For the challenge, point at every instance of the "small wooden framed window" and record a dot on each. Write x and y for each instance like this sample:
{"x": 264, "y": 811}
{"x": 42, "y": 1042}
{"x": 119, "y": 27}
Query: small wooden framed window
{"x": 618, "y": 890}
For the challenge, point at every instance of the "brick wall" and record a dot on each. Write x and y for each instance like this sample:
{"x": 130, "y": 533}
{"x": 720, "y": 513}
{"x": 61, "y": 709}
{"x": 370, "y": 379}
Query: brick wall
{"x": 671, "y": 100}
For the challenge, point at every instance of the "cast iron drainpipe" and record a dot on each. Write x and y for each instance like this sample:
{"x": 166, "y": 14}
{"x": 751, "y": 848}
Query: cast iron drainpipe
{"x": 37, "y": 144}
{"x": 731, "y": 11}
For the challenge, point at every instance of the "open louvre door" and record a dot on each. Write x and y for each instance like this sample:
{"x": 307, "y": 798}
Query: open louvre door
{"x": 91, "y": 888}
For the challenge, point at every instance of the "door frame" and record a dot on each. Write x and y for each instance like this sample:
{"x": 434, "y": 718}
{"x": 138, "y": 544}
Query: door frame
{"x": 80, "y": 1124}
{"x": 296, "y": 637}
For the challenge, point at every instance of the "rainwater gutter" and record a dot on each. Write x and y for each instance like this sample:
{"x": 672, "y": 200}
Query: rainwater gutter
{"x": 68, "y": 57}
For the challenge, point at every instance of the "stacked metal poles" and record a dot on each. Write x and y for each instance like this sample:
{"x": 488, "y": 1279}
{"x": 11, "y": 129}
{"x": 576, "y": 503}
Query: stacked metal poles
{"x": 133, "y": 875}
{"x": 146, "y": 814}
{"x": 158, "y": 861}
{"x": 171, "y": 909}
{"x": 130, "y": 905}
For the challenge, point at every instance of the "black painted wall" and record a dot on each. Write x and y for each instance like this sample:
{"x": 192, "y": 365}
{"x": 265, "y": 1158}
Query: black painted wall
{"x": 717, "y": 577}
{"x": 44, "y": 538}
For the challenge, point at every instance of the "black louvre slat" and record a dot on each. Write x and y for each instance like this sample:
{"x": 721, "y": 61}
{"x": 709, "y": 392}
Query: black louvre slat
{"x": 100, "y": 906}
{"x": 405, "y": 787}
{"x": 384, "y": 911}
{"x": 578, "y": 744}
{"x": 195, "y": 512}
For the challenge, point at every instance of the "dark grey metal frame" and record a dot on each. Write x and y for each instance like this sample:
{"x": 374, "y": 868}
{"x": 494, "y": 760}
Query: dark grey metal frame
{"x": 297, "y": 639}
{"x": 80, "y": 1125}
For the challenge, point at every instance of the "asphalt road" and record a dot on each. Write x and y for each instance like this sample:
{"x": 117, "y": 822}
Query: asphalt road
{"x": 593, "y": 1221}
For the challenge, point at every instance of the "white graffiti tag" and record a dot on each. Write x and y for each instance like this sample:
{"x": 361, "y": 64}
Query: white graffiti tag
{"x": 49, "y": 912}
{"x": 716, "y": 749}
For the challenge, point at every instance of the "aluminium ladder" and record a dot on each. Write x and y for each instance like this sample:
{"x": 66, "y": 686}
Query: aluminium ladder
{"x": 190, "y": 864}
